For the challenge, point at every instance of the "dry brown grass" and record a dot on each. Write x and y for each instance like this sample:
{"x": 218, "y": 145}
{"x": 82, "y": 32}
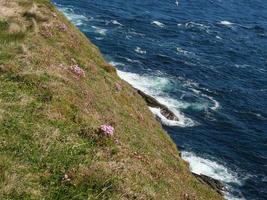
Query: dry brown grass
{"x": 9, "y": 9}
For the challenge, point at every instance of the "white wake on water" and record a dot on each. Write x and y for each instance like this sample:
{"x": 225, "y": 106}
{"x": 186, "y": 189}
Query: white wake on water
{"x": 157, "y": 23}
{"x": 153, "y": 87}
{"x": 216, "y": 104}
{"x": 77, "y": 19}
{"x": 114, "y": 64}
{"x": 210, "y": 168}
{"x": 226, "y": 23}
{"x": 213, "y": 169}
{"x": 139, "y": 50}
{"x": 167, "y": 122}
{"x": 184, "y": 52}
{"x": 99, "y": 30}
{"x": 115, "y": 22}
{"x": 177, "y": 3}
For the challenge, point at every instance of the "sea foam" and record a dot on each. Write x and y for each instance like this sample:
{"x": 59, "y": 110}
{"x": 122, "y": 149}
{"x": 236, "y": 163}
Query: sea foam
{"x": 139, "y": 50}
{"x": 215, "y": 105}
{"x": 114, "y": 22}
{"x": 157, "y": 23}
{"x": 165, "y": 121}
{"x": 77, "y": 19}
{"x": 99, "y": 30}
{"x": 213, "y": 169}
{"x": 153, "y": 86}
{"x": 226, "y": 23}
{"x": 114, "y": 64}
{"x": 210, "y": 168}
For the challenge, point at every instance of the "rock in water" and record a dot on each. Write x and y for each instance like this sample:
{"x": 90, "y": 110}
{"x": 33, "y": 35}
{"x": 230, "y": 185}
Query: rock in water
{"x": 213, "y": 183}
{"x": 152, "y": 102}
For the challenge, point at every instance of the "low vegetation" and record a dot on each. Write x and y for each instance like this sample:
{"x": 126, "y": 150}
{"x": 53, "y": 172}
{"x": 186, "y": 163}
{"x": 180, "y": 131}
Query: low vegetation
{"x": 51, "y": 146}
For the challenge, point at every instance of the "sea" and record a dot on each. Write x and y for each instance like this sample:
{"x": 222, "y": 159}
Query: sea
{"x": 206, "y": 60}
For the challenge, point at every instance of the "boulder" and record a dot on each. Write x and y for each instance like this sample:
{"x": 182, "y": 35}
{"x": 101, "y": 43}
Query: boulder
{"x": 213, "y": 183}
{"x": 152, "y": 102}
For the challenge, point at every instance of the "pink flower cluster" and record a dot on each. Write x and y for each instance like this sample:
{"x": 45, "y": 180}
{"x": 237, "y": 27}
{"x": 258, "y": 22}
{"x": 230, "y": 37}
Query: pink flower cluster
{"x": 118, "y": 87}
{"x": 62, "y": 27}
{"x": 107, "y": 130}
{"x": 77, "y": 70}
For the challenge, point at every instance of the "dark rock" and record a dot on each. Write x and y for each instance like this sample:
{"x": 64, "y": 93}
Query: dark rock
{"x": 152, "y": 102}
{"x": 213, "y": 183}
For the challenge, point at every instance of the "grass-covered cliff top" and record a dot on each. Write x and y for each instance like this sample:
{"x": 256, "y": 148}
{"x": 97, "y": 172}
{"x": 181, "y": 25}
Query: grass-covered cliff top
{"x": 50, "y": 144}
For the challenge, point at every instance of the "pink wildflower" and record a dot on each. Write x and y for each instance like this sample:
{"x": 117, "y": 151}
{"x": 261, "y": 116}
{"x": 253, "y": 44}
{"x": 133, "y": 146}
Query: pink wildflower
{"x": 77, "y": 70}
{"x": 118, "y": 87}
{"x": 62, "y": 27}
{"x": 107, "y": 130}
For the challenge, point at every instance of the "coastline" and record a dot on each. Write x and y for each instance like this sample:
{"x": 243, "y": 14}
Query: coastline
{"x": 175, "y": 64}
{"x": 214, "y": 184}
{"x": 57, "y": 121}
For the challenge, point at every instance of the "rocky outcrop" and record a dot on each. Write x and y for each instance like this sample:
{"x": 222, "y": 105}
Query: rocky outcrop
{"x": 152, "y": 102}
{"x": 213, "y": 183}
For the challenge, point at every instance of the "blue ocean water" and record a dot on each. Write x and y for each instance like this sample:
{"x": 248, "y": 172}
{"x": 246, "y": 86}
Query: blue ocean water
{"x": 204, "y": 59}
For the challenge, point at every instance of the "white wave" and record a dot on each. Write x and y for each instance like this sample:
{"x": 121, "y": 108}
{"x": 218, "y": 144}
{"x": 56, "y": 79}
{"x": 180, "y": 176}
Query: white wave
{"x": 153, "y": 85}
{"x": 134, "y": 32}
{"x": 241, "y": 66}
{"x": 177, "y": 3}
{"x": 139, "y": 50}
{"x": 114, "y": 64}
{"x": 214, "y": 170}
{"x": 229, "y": 196}
{"x": 100, "y": 31}
{"x": 115, "y": 22}
{"x": 147, "y": 84}
{"x": 216, "y": 104}
{"x": 182, "y": 51}
{"x": 167, "y": 122}
{"x": 195, "y": 24}
{"x": 99, "y": 38}
{"x": 157, "y": 23}
{"x": 77, "y": 19}
{"x": 210, "y": 168}
{"x": 199, "y": 26}
{"x": 226, "y": 23}
{"x": 132, "y": 61}
{"x": 218, "y": 37}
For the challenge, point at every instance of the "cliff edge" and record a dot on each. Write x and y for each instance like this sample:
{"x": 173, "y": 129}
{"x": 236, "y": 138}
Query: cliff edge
{"x": 56, "y": 91}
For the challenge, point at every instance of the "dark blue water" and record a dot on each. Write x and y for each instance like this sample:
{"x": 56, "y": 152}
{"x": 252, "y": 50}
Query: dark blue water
{"x": 207, "y": 61}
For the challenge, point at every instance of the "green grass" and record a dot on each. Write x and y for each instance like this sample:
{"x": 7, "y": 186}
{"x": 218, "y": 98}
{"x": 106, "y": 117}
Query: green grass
{"x": 50, "y": 119}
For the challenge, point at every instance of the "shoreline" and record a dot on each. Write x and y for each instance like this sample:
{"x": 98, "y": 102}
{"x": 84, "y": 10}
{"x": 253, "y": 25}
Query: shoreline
{"x": 57, "y": 91}
{"x": 214, "y": 184}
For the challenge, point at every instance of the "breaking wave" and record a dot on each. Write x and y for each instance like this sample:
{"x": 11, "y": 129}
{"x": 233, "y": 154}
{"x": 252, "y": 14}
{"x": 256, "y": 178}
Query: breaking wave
{"x": 154, "y": 86}
{"x": 99, "y": 30}
{"x": 226, "y": 23}
{"x": 157, "y": 23}
{"x": 139, "y": 50}
{"x": 213, "y": 169}
{"x": 77, "y": 19}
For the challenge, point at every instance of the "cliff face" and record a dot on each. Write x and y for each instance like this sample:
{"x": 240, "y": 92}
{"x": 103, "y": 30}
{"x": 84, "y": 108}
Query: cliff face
{"x": 55, "y": 92}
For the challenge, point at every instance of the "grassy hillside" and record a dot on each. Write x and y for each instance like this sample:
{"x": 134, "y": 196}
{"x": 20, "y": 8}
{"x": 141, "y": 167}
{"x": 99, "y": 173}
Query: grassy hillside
{"x": 50, "y": 143}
